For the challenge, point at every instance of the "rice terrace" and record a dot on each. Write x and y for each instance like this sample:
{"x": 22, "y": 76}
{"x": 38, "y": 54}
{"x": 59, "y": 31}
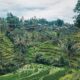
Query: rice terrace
{"x": 39, "y": 39}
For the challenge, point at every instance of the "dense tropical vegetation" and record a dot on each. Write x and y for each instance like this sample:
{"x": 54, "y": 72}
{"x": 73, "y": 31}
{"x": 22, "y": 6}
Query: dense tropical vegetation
{"x": 37, "y": 49}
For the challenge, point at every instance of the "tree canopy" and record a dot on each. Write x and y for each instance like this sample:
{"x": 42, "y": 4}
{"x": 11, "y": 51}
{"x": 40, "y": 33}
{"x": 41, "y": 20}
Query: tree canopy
{"x": 77, "y": 10}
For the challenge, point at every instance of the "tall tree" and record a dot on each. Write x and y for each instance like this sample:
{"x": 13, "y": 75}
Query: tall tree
{"x": 12, "y": 21}
{"x": 59, "y": 22}
{"x": 77, "y": 10}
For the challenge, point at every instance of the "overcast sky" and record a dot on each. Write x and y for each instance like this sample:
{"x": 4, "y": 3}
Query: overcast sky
{"x": 49, "y": 9}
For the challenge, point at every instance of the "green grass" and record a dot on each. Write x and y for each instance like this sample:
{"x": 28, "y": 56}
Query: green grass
{"x": 55, "y": 76}
{"x": 31, "y": 72}
{"x": 42, "y": 72}
{"x": 74, "y": 75}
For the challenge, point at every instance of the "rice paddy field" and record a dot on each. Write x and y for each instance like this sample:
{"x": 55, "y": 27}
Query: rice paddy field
{"x": 42, "y": 72}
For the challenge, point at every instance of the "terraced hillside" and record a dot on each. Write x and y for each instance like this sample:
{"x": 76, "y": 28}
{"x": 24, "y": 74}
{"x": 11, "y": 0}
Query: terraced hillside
{"x": 32, "y": 72}
{"x": 41, "y": 47}
{"x": 55, "y": 52}
{"x": 50, "y": 53}
{"x": 42, "y": 72}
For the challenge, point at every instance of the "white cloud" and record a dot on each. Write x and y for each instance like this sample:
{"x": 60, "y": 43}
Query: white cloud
{"x": 49, "y": 9}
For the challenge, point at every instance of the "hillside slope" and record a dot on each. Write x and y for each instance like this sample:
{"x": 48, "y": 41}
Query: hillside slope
{"x": 42, "y": 72}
